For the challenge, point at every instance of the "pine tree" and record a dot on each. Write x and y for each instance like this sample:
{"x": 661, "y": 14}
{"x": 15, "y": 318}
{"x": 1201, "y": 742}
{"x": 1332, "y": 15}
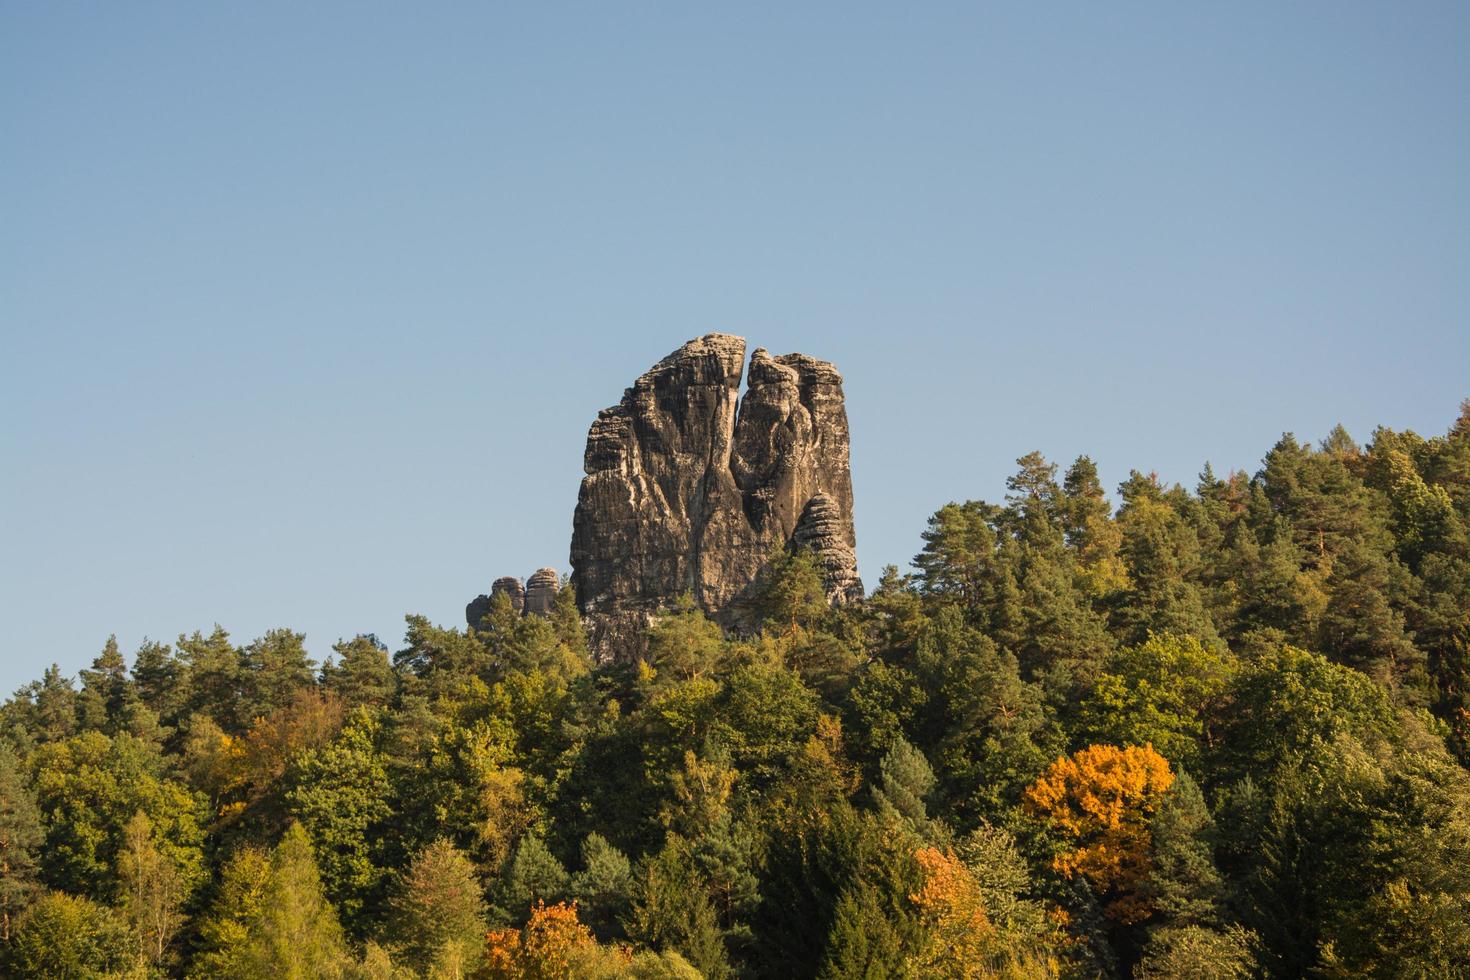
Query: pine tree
{"x": 20, "y": 838}
{"x": 604, "y": 886}
{"x": 1184, "y": 887}
{"x": 672, "y": 911}
{"x": 295, "y": 933}
{"x": 158, "y": 676}
{"x": 790, "y": 593}
{"x": 863, "y": 943}
{"x": 273, "y": 669}
{"x": 685, "y": 644}
{"x": 905, "y": 782}
{"x": 106, "y": 695}
{"x": 1161, "y": 553}
{"x": 438, "y": 913}
{"x": 534, "y": 875}
{"x": 1090, "y": 532}
{"x": 212, "y": 678}
{"x": 361, "y": 675}
{"x": 1360, "y": 626}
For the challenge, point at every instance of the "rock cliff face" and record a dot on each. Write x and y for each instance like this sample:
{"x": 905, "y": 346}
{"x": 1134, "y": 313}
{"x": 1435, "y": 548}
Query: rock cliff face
{"x": 533, "y": 598}
{"x": 689, "y": 487}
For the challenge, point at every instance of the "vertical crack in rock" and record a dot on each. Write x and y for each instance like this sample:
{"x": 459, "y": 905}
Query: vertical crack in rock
{"x": 689, "y": 487}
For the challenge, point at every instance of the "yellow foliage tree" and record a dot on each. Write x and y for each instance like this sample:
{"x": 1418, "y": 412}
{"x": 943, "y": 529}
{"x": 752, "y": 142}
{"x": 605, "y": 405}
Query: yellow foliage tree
{"x": 1102, "y": 798}
{"x": 553, "y": 945}
{"x": 959, "y": 938}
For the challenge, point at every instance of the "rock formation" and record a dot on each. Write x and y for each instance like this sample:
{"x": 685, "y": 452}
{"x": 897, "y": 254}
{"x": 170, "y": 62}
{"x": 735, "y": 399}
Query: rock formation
{"x": 541, "y": 590}
{"x": 689, "y": 487}
{"x": 533, "y": 598}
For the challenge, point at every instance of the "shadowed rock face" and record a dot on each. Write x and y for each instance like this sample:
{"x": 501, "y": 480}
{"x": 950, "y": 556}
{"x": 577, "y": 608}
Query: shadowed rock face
{"x": 689, "y": 487}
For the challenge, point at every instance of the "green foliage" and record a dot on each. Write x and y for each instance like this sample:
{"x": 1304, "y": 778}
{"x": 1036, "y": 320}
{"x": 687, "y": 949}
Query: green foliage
{"x": 931, "y": 781}
{"x": 1184, "y": 887}
{"x": 834, "y": 896}
{"x": 905, "y": 781}
{"x": 438, "y": 911}
{"x": 790, "y": 594}
{"x": 272, "y": 918}
{"x": 684, "y": 645}
{"x": 672, "y": 911}
{"x": 604, "y": 887}
{"x": 151, "y": 889}
{"x": 20, "y": 839}
{"x": 273, "y": 668}
{"x": 864, "y": 943}
{"x": 1005, "y": 882}
{"x": 1161, "y": 554}
{"x": 1164, "y": 693}
{"x": 534, "y": 875}
{"x": 1289, "y": 701}
{"x": 212, "y": 678}
{"x": 339, "y": 793}
{"x": 89, "y": 788}
{"x": 361, "y": 675}
{"x": 1199, "y": 953}
{"x": 61, "y": 937}
{"x": 107, "y": 696}
{"x": 1364, "y": 851}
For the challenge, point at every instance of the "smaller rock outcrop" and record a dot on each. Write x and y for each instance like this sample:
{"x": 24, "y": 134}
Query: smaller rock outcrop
{"x": 534, "y": 598}
{"x": 541, "y": 590}
{"x": 825, "y": 530}
{"x": 511, "y": 587}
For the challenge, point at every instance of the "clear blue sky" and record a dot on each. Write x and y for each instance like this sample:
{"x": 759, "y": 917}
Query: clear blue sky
{"x": 305, "y": 308}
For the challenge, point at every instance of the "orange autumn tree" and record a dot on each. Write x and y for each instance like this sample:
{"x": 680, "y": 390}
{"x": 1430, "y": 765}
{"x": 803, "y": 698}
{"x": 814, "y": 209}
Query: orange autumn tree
{"x": 553, "y": 945}
{"x": 1101, "y": 798}
{"x": 959, "y": 938}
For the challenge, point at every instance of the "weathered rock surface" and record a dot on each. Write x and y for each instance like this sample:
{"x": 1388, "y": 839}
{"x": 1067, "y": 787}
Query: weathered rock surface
{"x": 689, "y": 487}
{"x": 541, "y": 590}
{"x": 512, "y": 587}
{"x": 533, "y": 598}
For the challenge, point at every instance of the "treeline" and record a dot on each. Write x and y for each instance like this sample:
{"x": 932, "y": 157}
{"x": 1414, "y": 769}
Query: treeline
{"x": 1218, "y": 732}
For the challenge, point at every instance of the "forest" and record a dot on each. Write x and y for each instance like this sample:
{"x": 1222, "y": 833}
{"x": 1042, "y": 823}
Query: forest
{"x": 1209, "y": 732}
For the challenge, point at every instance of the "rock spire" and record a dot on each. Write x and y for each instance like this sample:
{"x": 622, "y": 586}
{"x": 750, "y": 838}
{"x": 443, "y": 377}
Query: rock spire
{"x": 689, "y": 487}
{"x": 531, "y": 599}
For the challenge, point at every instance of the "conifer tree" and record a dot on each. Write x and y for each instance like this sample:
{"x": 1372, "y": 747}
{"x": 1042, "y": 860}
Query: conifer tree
{"x": 1184, "y": 887}
{"x": 273, "y": 669}
{"x": 905, "y": 781}
{"x": 361, "y": 675}
{"x": 20, "y": 838}
{"x": 438, "y": 913}
{"x": 604, "y": 886}
{"x": 1090, "y": 532}
{"x": 212, "y": 678}
{"x": 106, "y": 695}
{"x": 1161, "y": 553}
{"x": 272, "y": 919}
{"x": 158, "y": 676}
{"x": 534, "y": 875}
{"x": 672, "y": 911}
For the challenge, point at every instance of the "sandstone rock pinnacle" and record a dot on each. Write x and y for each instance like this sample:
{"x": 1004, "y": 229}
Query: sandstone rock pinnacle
{"x": 689, "y": 486}
{"x": 532, "y": 599}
